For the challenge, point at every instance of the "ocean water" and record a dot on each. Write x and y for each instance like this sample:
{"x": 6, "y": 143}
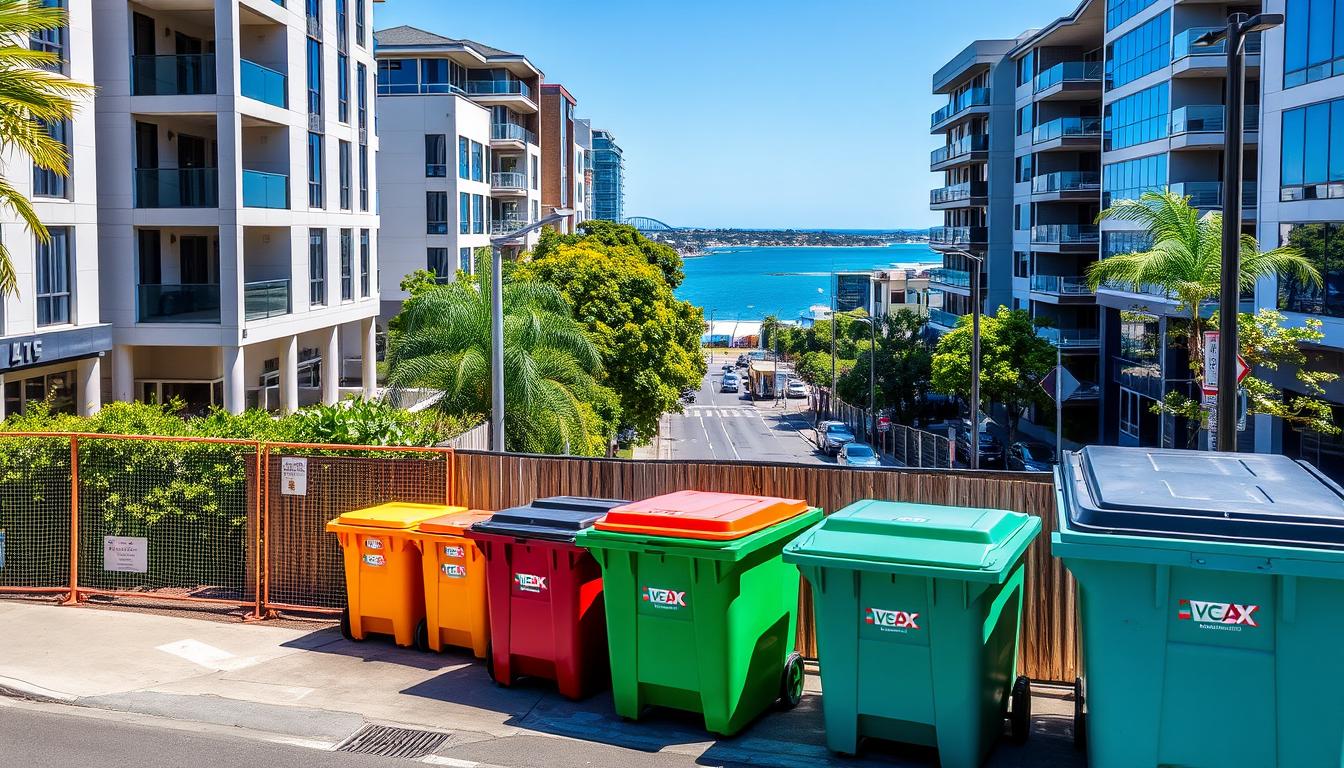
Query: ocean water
{"x": 750, "y": 283}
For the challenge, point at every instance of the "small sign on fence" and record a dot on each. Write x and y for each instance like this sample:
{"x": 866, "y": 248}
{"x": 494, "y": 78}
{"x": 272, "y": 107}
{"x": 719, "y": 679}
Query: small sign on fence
{"x": 2, "y": 549}
{"x": 293, "y": 476}
{"x": 126, "y": 554}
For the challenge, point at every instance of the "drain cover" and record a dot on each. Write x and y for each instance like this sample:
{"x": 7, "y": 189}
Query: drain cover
{"x": 393, "y": 742}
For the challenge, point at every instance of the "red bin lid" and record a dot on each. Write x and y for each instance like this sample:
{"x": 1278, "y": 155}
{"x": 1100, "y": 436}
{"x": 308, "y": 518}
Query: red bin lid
{"x": 701, "y": 515}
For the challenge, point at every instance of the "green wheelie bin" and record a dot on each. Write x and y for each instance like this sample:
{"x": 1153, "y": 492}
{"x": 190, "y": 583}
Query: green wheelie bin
{"x": 701, "y": 610}
{"x": 1211, "y": 606}
{"x": 918, "y": 611}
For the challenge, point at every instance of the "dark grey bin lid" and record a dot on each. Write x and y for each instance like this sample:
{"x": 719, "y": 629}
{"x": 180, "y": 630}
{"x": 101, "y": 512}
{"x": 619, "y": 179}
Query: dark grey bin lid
{"x": 555, "y": 518}
{"x": 1244, "y": 497}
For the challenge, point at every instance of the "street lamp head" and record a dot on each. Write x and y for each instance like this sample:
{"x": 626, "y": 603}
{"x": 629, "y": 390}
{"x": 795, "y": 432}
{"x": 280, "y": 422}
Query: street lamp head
{"x": 1262, "y": 21}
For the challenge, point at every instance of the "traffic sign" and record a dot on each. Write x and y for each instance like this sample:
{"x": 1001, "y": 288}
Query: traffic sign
{"x": 1066, "y": 382}
{"x": 883, "y": 423}
{"x": 1210, "y": 385}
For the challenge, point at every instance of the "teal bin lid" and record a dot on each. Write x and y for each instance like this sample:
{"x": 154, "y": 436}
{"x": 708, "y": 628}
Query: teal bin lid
{"x": 968, "y": 543}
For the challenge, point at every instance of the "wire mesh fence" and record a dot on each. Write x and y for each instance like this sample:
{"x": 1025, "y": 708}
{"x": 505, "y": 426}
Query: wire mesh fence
{"x": 908, "y": 446}
{"x": 35, "y": 515}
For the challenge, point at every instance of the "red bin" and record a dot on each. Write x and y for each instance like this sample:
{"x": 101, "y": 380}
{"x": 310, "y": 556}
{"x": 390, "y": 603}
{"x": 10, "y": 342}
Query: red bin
{"x": 547, "y": 618}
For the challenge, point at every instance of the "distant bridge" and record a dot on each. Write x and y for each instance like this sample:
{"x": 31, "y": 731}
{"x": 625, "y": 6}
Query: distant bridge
{"x": 646, "y": 224}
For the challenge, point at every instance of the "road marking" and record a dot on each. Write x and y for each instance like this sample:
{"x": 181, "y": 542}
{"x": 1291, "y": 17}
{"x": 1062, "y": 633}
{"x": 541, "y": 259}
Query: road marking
{"x": 729, "y": 438}
{"x": 207, "y": 656}
{"x": 707, "y": 438}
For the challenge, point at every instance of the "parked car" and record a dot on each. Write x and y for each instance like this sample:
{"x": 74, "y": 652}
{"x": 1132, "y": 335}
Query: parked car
{"x": 688, "y": 395}
{"x": 795, "y": 388}
{"x": 743, "y": 361}
{"x": 991, "y": 450}
{"x": 1031, "y": 457}
{"x": 832, "y": 436}
{"x": 858, "y": 455}
{"x": 731, "y": 383}
{"x": 729, "y": 368}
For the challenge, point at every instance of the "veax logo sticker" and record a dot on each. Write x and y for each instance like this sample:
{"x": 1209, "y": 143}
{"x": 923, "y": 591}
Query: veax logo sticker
{"x": 454, "y": 571}
{"x": 450, "y": 550}
{"x": 1231, "y": 615}
{"x": 665, "y": 598}
{"x": 889, "y": 620}
{"x": 376, "y": 561}
{"x": 529, "y": 583}
{"x": 373, "y": 543}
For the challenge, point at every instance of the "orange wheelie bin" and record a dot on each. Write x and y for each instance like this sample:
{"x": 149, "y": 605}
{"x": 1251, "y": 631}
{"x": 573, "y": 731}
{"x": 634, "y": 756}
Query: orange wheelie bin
{"x": 454, "y": 578}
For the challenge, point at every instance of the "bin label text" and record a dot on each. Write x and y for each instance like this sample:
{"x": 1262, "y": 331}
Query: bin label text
{"x": 891, "y": 620}
{"x": 373, "y": 543}
{"x": 528, "y": 582}
{"x": 1230, "y": 615}
{"x": 664, "y": 598}
{"x": 450, "y": 550}
{"x": 375, "y": 561}
{"x": 454, "y": 571}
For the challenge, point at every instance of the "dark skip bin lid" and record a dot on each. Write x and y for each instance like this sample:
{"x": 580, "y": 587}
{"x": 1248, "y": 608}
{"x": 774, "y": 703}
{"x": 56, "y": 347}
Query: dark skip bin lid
{"x": 556, "y": 518}
{"x": 1237, "y": 497}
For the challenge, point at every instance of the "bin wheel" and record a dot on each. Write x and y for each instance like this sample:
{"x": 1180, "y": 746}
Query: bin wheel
{"x": 791, "y": 682}
{"x": 422, "y": 636}
{"x": 1019, "y": 717}
{"x": 346, "y": 632}
{"x": 1079, "y": 716}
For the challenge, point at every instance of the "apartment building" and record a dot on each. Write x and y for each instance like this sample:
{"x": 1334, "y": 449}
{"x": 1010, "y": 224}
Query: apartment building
{"x": 975, "y": 156}
{"x": 882, "y": 291}
{"x": 228, "y": 280}
{"x": 52, "y": 340}
{"x": 583, "y": 137}
{"x": 463, "y": 159}
{"x": 561, "y": 155}
{"x": 608, "y": 178}
{"x": 1301, "y": 198}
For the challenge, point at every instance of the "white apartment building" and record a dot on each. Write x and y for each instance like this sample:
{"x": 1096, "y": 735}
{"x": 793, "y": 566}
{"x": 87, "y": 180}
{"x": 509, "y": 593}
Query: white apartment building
{"x": 583, "y": 197}
{"x": 227, "y": 279}
{"x": 463, "y": 159}
{"x": 51, "y": 338}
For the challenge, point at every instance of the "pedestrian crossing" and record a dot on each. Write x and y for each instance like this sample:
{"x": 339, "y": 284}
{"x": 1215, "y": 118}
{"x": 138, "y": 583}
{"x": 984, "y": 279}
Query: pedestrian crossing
{"x": 709, "y": 411}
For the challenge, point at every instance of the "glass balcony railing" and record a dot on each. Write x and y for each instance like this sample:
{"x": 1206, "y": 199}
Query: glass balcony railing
{"x": 1070, "y": 337}
{"x": 1065, "y": 234}
{"x": 1183, "y": 44}
{"x": 1066, "y": 181}
{"x": 963, "y": 191}
{"x": 978, "y": 142}
{"x": 265, "y": 190}
{"x": 1060, "y": 285}
{"x": 1208, "y": 118}
{"x": 505, "y": 226}
{"x": 1069, "y": 72}
{"x": 173, "y": 75}
{"x": 176, "y": 188}
{"x": 511, "y": 132}
{"x": 498, "y": 88}
{"x": 263, "y": 83}
{"x": 1066, "y": 127}
{"x": 266, "y": 298}
{"x": 943, "y": 317}
{"x": 1147, "y": 289}
{"x": 412, "y": 88}
{"x": 195, "y": 303}
{"x": 974, "y": 97}
{"x": 957, "y": 235}
{"x": 508, "y": 180}
{"x": 1209, "y": 194}
{"x": 959, "y": 278}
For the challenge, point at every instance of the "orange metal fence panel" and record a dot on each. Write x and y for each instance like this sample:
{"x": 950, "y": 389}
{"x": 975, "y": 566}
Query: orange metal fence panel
{"x": 35, "y": 520}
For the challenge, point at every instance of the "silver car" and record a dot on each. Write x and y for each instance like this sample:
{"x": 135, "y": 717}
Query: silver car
{"x": 858, "y": 455}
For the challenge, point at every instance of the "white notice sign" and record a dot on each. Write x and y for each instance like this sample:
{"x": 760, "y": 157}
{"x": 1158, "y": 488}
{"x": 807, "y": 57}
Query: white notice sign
{"x": 126, "y": 554}
{"x": 293, "y": 476}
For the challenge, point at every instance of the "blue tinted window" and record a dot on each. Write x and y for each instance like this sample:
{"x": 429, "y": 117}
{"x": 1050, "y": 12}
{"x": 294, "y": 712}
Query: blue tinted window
{"x": 463, "y": 213}
{"x": 314, "y": 77}
{"x": 1024, "y": 123}
{"x": 1320, "y": 32}
{"x": 1294, "y": 123}
{"x": 1145, "y": 49}
{"x": 1129, "y": 179}
{"x": 1316, "y": 144}
{"x": 1137, "y": 118}
{"x": 1313, "y": 41}
{"x": 463, "y": 158}
{"x": 1323, "y": 245}
{"x": 1120, "y": 11}
{"x": 1336, "y": 163}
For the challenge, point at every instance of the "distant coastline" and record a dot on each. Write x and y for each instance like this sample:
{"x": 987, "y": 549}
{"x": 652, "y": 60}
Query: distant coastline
{"x": 696, "y": 242}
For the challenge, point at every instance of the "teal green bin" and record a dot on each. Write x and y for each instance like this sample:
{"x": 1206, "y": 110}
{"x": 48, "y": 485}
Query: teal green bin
{"x": 918, "y": 610}
{"x": 1211, "y": 607}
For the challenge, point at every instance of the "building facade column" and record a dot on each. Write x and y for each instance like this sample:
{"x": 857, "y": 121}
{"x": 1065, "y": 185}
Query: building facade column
{"x": 235, "y": 387}
{"x": 123, "y": 373}
{"x": 289, "y": 374}
{"x": 368, "y": 359}
{"x": 331, "y": 366}
{"x": 89, "y": 373}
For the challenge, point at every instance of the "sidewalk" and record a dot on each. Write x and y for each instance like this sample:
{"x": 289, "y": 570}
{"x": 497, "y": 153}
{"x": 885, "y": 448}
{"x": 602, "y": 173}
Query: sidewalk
{"x": 314, "y": 688}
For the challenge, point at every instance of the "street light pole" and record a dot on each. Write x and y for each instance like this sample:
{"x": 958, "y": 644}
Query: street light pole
{"x": 977, "y": 261}
{"x": 1239, "y": 25}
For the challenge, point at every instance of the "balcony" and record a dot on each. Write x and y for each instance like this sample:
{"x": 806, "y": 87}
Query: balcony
{"x": 1067, "y": 183}
{"x": 1061, "y": 286}
{"x": 506, "y": 226}
{"x": 265, "y": 298}
{"x": 964, "y": 147}
{"x": 951, "y": 196}
{"x": 265, "y": 190}
{"x": 263, "y": 84}
{"x": 975, "y": 97}
{"x": 1208, "y": 118}
{"x": 1069, "y": 72}
{"x": 173, "y": 75}
{"x": 509, "y": 181}
{"x": 176, "y": 188}
{"x": 1061, "y": 129}
{"x": 198, "y": 303}
{"x": 957, "y": 278}
{"x": 958, "y": 236}
{"x": 499, "y": 88}
{"x": 1209, "y": 194}
{"x": 1067, "y": 338}
{"x": 943, "y": 317}
{"x": 509, "y": 133}
{"x": 1065, "y": 234}
{"x": 1183, "y": 44}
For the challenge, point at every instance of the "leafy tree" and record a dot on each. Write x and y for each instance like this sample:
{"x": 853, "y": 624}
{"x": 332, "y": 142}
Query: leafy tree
{"x": 418, "y": 282}
{"x": 648, "y": 341}
{"x": 553, "y": 403}
{"x": 904, "y": 364}
{"x": 815, "y": 368}
{"x": 614, "y": 235}
{"x": 30, "y": 98}
{"x": 1013, "y": 360}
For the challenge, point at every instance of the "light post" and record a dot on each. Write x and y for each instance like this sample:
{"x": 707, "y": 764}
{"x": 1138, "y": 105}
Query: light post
{"x": 1239, "y": 25}
{"x": 978, "y": 261}
{"x": 711, "y": 336}
{"x": 497, "y": 320}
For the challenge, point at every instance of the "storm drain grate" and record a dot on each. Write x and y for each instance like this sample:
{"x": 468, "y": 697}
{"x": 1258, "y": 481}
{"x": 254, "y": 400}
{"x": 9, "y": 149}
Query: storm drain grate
{"x": 393, "y": 742}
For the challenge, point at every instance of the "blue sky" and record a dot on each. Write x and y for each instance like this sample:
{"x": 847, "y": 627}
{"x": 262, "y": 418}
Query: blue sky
{"x": 746, "y": 113}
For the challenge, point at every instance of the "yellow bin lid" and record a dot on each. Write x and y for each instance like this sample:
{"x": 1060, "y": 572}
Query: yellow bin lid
{"x": 396, "y": 514}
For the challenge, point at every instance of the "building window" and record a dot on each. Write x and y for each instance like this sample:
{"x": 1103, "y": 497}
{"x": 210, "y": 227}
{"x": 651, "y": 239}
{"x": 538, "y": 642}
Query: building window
{"x": 464, "y": 258}
{"x": 314, "y": 9}
{"x": 436, "y": 213}
{"x": 1024, "y": 168}
{"x": 48, "y": 183}
{"x": 1129, "y": 179}
{"x": 397, "y": 76}
{"x": 437, "y": 261}
{"x": 1022, "y": 217}
{"x": 363, "y": 177}
{"x": 1136, "y": 118}
{"x": 536, "y": 175}
{"x": 1131, "y": 404}
{"x": 51, "y": 41}
{"x": 1026, "y": 68}
{"x": 314, "y": 77}
{"x": 1024, "y": 123}
{"x": 362, "y": 99}
{"x": 1124, "y": 242}
{"x": 463, "y": 158}
{"x": 317, "y": 267}
{"x": 344, "y": 162}
{"x": 464, "y": 213}
{"x": 1323, "y": 245}
{"x": 1144, "y": 49}
{"x": 1021, "y": 264}
{"x": 343, "y": 88}
{"x": 347, "y": 265}
{"x": 478, "y": 214}
{"x": 536, "y": 211}
{"x": 436, "y": 154}
{"x": 52, "y": 271}
{"x": 1313, "y": 41}
{"x": 361, "y": 11}
{"x": 477, "y": 161}
{"x": 1120, "y": 11}
{"x": 315, "y": 170}
{"x": 365, "y": 264}
{"x": 1312, "y": 154}
{"x": 342, "y": 26}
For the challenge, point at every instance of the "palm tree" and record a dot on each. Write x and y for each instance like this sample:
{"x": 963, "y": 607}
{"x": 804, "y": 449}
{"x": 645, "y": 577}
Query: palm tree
{"x": 443, "y": 343}
{"x": 1185, "y": 258}
{"x": 31, "y": 96}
